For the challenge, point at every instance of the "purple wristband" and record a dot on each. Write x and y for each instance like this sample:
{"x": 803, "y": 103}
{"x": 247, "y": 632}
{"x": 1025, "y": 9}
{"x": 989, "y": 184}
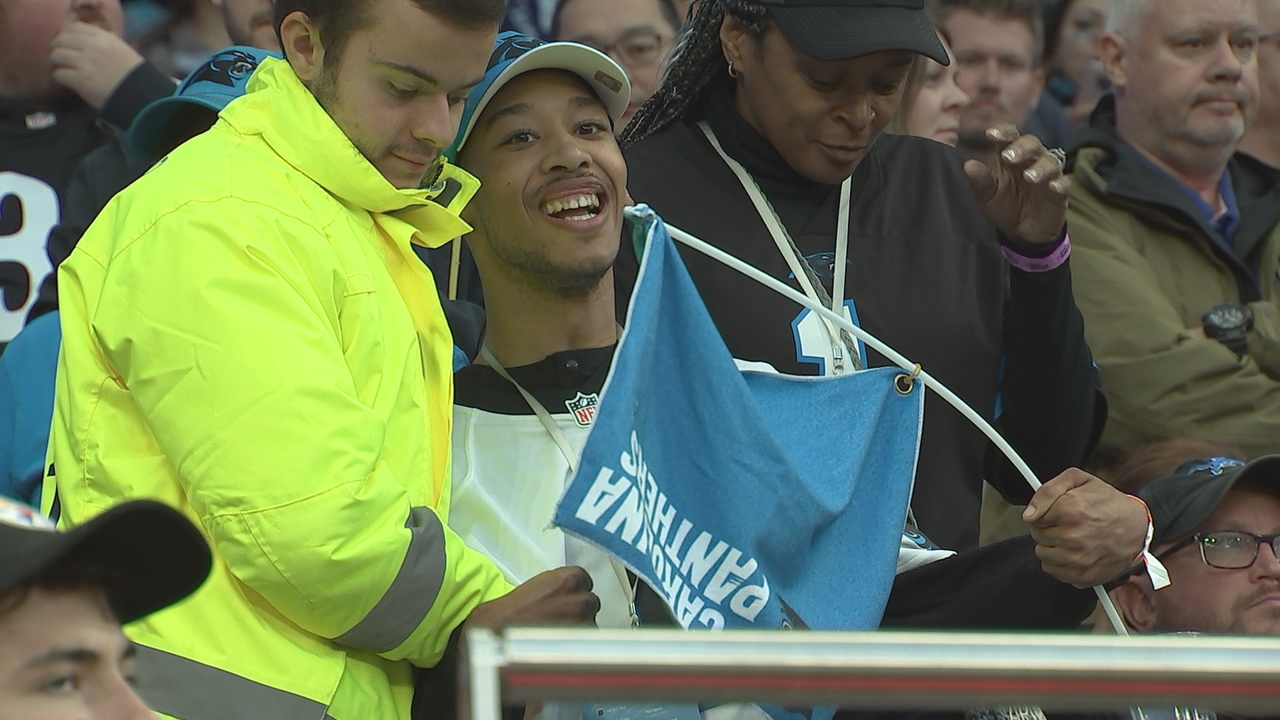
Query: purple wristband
{"x": 1039, "y": 264}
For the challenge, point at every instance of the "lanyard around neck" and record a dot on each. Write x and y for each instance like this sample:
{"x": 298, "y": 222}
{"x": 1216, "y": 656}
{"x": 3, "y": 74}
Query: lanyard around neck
{"x": 809, "y": 282}
{"x": 570, "y": 457}
{"x": 544, "y": 415}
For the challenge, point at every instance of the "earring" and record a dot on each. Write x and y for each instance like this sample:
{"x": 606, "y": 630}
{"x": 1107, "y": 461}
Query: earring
{"x": 732, "y": 73}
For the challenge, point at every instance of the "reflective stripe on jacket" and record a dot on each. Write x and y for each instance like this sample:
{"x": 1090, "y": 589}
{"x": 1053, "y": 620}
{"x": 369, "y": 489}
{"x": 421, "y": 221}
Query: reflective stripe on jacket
{"x": 249, "y": 337}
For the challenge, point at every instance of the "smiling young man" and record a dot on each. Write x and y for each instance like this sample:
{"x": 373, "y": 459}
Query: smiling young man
{"x": 1177, "y": 235}
{"x": 547, "y": 225}
{"x": 249, "y": 336}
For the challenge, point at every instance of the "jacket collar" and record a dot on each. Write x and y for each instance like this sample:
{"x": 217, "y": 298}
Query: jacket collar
{"x": 1121, "y": 173}
{"x": 306, "y": 137}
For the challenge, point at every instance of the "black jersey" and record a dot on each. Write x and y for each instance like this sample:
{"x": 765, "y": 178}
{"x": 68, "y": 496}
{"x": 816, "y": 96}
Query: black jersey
{"x": 41, "y": 149}
{"x": 925, "y": 273}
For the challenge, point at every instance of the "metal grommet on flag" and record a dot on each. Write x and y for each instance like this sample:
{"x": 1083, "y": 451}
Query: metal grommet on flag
{"x": 904, "y": 383}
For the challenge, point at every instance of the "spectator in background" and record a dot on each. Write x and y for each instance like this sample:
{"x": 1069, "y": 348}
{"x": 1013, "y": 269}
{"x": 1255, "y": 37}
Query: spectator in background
{"x": 191, "y": 32}
{"x": 531, "y": 17}
{"x": 931, "y": 101}
{"x": 1076, "y": 79}
{"x": 312, "y": 445}
{"x": 638, "y": 34}
{"x": 64, "y": 595}
{"x": 109, "y": 169}
{"x": 63, "y": 68}
{"x": 999, "y": 49}
{"x": 1262, "y": 140}
{"x": 248, "y": 23}
{"x": 27, "y": 369}
{"x": 1177, "y": 244}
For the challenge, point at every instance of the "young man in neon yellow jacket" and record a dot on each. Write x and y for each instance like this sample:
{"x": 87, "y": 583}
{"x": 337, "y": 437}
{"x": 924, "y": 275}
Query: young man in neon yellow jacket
{"x": 249, "y": 337}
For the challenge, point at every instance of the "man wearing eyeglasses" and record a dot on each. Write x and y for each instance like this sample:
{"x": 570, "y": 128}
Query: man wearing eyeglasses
{"x": 638, "y": 34}
{"x": 1217, "y": 531}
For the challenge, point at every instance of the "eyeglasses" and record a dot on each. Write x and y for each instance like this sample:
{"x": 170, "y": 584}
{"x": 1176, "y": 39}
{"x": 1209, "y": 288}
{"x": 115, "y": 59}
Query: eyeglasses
{"x": 642, "y": 46}
{"x": 1228, "y": 550}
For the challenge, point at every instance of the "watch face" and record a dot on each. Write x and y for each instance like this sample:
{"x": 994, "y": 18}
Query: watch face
{"x": 1228, "y": 317}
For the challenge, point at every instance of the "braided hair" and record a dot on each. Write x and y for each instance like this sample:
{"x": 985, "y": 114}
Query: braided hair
{"x": 697, "y": 63}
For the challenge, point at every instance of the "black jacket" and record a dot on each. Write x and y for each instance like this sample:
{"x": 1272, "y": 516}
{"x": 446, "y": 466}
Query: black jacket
{"x": 927, "y": 276}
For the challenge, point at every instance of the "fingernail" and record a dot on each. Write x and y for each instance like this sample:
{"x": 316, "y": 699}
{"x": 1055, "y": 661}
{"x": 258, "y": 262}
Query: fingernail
{"x": 1009, "y": 155}
{"x": 1029, "y": 513}
{"x": 1032, "y": 175}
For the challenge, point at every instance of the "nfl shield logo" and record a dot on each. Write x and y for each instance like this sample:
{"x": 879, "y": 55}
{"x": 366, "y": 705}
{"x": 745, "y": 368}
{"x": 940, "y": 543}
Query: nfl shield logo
{"x": 41, "y": 120}
{"x": 583, "y": 408}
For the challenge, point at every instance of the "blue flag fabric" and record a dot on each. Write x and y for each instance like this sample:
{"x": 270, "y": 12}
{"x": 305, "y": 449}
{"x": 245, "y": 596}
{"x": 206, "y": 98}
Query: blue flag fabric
{"x": 745, "y": 499}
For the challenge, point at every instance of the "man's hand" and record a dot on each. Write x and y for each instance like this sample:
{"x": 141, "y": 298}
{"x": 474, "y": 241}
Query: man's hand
{"x": 1024, "y": 193}
{"x": 557, "y": 597}
{"x": 1086, "y": 531}
{"x": 91, "y": 61}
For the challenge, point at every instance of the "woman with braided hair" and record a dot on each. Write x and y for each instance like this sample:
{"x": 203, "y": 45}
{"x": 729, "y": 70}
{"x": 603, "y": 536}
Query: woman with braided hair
{"x": 765, "y": 140}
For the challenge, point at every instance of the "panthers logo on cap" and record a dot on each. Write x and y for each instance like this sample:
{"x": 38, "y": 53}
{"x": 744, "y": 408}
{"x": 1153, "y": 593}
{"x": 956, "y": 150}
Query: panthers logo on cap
{"x": 1214, "y": 466}
{"x": 512, "y": 48}
{"x": 229, "y": 68}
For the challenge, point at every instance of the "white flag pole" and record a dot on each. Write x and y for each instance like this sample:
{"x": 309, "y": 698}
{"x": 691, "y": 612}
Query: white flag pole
{"x": 897, "y": 359}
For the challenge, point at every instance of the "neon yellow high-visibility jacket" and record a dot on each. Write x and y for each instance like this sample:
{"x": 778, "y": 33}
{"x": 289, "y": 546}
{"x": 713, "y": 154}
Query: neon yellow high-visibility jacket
{"x": 248, "y": 337}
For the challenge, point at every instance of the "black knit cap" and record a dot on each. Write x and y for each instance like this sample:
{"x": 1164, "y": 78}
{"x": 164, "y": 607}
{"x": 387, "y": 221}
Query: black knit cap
{"x": 1181, "y": 501}
{"x": 150, "y": 554}
{"x": 841, "y": 29}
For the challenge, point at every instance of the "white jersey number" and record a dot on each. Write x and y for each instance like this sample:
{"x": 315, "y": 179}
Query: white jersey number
{"x": 813, "y": 342}
{"x": 29, "y": 209}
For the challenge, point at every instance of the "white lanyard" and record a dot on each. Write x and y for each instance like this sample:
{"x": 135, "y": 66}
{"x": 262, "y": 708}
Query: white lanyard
{"x": 544, "y": 416}
{"x": 799, "y": 267}
{"x": 570, "y": 457}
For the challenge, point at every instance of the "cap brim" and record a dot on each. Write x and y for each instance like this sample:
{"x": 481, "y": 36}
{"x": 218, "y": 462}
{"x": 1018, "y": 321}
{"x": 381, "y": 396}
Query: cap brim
{"x": 149, "y": 130}
{"x": 151, "y": 553}
{"x": 607, "y": 79}
{"x": 1184, "y": 502}
{"x": 842, "y": 32}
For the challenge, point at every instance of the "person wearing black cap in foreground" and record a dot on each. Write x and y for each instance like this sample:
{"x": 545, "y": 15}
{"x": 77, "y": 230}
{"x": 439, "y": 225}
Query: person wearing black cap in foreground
{"x": 1217, "y": 531}
{"x": 63, "y": 597}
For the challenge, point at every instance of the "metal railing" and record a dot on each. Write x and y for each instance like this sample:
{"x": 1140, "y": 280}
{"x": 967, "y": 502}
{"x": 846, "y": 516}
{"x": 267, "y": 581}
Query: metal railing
{"x": 887, "y": 670}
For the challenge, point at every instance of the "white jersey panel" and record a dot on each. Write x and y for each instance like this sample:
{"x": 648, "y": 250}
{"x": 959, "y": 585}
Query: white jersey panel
{"x": 508, "y": 476}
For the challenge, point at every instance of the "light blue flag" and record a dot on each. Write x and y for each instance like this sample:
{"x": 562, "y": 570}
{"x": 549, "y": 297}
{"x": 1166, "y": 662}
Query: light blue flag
{"x": 745, "y": 499}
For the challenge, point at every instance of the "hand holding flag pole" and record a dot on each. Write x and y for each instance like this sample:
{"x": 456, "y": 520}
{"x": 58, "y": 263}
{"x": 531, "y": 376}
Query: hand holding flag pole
{"x": 897, "y": 359}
